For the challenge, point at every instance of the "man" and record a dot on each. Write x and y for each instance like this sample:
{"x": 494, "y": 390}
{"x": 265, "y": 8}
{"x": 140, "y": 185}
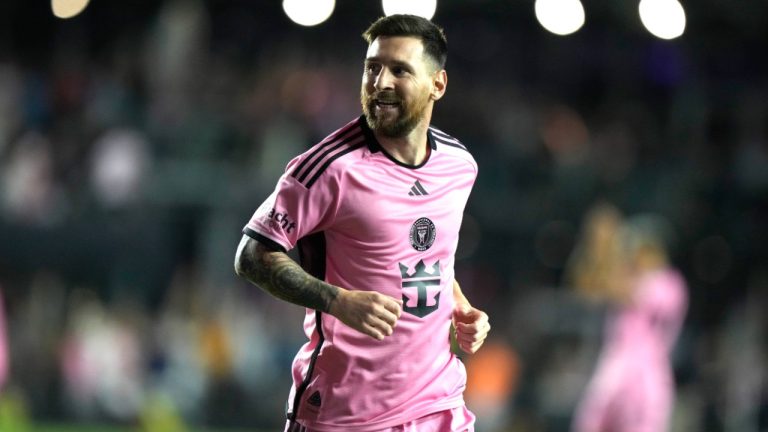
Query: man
{"x": 625, "y": 264}
{"x": 375, "y": 209}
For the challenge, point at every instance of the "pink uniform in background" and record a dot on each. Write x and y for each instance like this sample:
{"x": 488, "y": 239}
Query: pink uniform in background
{"x": 364, "y": 221}
{"x": 633, "y": 388}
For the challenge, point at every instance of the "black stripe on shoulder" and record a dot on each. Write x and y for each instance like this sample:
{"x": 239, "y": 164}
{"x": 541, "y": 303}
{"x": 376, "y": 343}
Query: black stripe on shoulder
{"x": 331, "y": 159}
{"x": 341, "y": 134}
{"x": 443, "y": 138}
{"x": 266, "y": 241}
{"x": 328, "y": 150}
{"x": 452, "y": 144}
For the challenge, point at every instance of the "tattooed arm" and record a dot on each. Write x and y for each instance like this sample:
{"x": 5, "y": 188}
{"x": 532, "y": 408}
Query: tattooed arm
{"x": 273, "y": 271}
{"x": 279, "y": 275}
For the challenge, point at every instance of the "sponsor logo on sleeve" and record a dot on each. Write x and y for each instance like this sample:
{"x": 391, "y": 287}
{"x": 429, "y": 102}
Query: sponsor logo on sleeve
{"x": 280, "y": 219}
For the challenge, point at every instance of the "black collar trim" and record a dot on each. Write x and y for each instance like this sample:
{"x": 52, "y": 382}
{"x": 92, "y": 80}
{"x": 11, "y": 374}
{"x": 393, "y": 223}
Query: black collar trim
{"x": 374, "y": 145}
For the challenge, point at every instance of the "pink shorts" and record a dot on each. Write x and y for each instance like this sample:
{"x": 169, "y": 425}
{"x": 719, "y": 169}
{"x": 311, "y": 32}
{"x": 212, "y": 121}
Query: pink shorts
{"x": 454, "y": 420}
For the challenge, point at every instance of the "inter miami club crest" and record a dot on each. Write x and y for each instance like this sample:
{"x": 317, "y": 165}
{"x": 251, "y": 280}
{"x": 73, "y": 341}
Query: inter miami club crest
{"x": 422, "y": 234}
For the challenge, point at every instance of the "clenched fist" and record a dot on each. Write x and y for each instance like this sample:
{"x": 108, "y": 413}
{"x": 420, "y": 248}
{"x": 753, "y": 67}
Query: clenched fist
{"x": 471, "y": 327}
{"x": 368, "y": 312}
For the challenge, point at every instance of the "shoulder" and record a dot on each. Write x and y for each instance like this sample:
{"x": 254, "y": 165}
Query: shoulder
{"x": 665, "y": 285}
{"x": 451, "y": 146}
{"x": 665, "y": 278}
{"x": 341, "y": 147}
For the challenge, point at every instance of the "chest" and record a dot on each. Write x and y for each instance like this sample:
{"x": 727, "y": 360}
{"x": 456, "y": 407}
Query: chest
{"x": 388, "y": 204}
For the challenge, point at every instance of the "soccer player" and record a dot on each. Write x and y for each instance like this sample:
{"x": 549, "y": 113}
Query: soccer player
{"x": 375, "y": 210}
{"x": 632, "y": 388}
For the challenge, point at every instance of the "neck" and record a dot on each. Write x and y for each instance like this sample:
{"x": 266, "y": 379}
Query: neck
{"x": 410, "y": 149}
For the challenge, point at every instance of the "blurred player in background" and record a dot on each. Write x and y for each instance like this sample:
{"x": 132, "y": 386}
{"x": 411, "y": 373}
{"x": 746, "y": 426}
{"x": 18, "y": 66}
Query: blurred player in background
{"x": 375, "y": 210}
{"x": 625, "y": 263}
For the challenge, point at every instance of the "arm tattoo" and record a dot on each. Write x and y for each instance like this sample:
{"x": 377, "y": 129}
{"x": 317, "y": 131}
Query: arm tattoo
{"x": 278, "y": 274}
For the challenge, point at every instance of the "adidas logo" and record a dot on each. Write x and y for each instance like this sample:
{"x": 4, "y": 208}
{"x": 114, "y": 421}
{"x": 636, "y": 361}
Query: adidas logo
{"x": 417, "y": 189}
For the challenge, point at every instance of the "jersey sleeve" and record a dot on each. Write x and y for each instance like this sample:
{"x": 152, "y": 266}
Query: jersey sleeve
{"x": 664, "y": 300}
{"x": 293, "y": 211}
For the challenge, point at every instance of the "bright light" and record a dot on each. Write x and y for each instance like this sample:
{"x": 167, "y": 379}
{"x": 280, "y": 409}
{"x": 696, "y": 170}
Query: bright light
{"x": 68, "y": 8}
{"x": 561, "y": 17}
{"x": 308, "y": 12}
{"x": 665, "y": 19}
{"x": 422, "y": 8}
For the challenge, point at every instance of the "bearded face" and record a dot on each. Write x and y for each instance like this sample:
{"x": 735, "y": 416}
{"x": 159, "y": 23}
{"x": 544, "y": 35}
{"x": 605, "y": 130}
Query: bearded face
{"x": 397, "y": 91}
{"x": 391, "y": 115}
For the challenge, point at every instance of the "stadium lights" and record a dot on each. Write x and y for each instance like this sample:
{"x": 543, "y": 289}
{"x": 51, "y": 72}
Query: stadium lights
{"x": 308, "y": 12}
{"x": 68, "y": 8}
{"x": 665, "y": 19}
{"x": 561, "y": 17}
{"x": 422, "y": 8}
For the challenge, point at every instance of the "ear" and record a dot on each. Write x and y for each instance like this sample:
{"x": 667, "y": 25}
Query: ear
{"x": 439, "y": 83}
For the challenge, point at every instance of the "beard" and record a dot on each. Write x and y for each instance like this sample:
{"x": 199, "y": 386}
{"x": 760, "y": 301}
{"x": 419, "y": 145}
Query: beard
{"x": 409, "y": 114}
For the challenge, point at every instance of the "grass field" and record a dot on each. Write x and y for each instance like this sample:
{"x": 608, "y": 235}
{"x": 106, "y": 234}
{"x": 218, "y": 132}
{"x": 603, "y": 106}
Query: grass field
{"x": 79, "y": 428}
{"x": 107, "y": 428}
{"x": 14, "y": 417}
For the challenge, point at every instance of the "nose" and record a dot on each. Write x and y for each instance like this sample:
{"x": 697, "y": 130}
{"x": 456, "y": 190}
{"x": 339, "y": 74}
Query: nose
{"x": 383, "y": 80}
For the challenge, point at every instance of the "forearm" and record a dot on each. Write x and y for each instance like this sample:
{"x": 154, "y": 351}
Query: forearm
{"x": 470, "y": 324}
{"x": 458, "y": 295}
{"x": 279, "y": 275}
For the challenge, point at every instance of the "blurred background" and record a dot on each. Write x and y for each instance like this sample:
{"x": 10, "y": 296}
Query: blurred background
{"x": 137, "y": 138}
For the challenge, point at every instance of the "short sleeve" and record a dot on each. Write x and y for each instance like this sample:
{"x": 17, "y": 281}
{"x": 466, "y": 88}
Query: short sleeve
{"x": 664, "y": 300}
{"x": 293, "y": 211}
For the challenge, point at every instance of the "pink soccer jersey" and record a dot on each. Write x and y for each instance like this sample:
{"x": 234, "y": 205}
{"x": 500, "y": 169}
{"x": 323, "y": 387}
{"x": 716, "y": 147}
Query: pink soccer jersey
{"x": 633, "y": 387}
{"x": 364, "y": 221}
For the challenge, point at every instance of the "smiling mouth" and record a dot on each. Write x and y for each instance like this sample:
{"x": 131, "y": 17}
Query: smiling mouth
{"x": 385, "y": 99}
{"x": 386, "y": 104}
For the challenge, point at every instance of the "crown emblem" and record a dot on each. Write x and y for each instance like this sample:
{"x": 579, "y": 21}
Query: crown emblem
{"x": 420, "y": 271}
{"x": 419, "y": 281}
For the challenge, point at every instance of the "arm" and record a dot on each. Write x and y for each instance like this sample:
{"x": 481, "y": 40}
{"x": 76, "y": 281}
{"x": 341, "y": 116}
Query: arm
{"x": 274, "y": 271}
{"x": 470, "y": 324}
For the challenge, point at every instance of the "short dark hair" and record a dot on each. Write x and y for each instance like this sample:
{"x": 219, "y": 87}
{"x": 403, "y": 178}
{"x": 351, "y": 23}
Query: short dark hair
{"x": 431, "y": 35}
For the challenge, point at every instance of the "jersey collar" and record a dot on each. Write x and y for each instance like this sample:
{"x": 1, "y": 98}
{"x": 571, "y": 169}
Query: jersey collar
{"x": 374, "y": 146}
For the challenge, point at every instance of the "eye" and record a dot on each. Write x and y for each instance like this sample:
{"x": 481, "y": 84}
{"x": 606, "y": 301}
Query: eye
{"x": 372, "y": 68}
{"x": 399, "y": 71}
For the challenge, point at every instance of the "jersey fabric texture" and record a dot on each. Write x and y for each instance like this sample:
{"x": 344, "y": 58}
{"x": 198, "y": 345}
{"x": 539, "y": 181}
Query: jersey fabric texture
{"x": 632, "y": 389}
{"x": 364, "y": 221}
{"x": 458, "y": 419}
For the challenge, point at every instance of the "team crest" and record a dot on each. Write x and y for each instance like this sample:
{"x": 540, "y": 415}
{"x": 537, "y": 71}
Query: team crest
{"x": 422, "y": 234}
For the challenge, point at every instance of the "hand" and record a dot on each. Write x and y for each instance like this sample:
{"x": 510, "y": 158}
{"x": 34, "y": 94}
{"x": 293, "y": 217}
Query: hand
{"x": 471, "y": 327}
{"x": 368, "y": 312}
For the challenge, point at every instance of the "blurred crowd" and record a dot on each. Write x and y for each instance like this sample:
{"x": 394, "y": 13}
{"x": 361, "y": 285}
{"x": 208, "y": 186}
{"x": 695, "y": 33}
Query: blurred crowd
{"x": 137, "y": 139}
